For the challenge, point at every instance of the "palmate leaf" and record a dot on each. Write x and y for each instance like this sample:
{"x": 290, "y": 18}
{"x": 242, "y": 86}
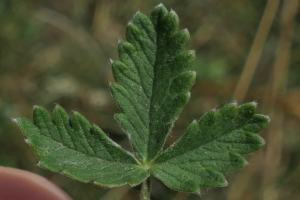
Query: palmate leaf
{"x": 79, "y": 150}
{"x": 152, "y": 86}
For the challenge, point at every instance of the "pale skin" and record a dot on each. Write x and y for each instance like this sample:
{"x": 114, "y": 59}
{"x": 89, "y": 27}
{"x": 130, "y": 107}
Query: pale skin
{"x": 18, "y": 184}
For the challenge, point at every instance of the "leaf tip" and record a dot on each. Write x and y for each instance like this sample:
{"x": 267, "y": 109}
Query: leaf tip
{"x": 111, "y": 61}
{"x": 35, "y": 107}
{"x": 225, "y": 184}
{"x": 39, "y": 164}
{"x": 268, "y": 118}
{"x": 77, "y": 115}
{"x": 194, "y": 74}
{"x": 96, "y": 183}
{"x": 130, "y": 22}
{"x": 172, "y": 11}
{"x": 234, "y": 103}
{"x": 137, "y": 12}
{"x": 119, "y": 40}
{"x": 186, "y": 30}
{"x": 27, "y": 140}
{"x": 193, "y": 52}
{"x": 254, "y": 103}
{"x": 160, "y": 5}
{"x": 56, "y": 105}
{"x": 15, "y": 120}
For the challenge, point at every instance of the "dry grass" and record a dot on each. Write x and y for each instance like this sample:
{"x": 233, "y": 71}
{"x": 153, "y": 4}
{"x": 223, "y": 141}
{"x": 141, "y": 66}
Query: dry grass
{"x": 58, "y": 52}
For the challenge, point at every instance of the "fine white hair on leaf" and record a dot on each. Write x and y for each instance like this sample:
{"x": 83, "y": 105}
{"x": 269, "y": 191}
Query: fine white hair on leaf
{"x": 269, "y": 119}
{"x": 119, "y": 40}
{"x": 15, "y": 120}
{"x": 56, "y": 105}
{"x": 172, "y": 11}
{"x": 111, "y": 61}
{"x": 189, "y": 94}
{"x": 225, "y": 184}
{"x": 96, "y": 183}
{"x": 129, "y": 136}
{"x": 27, "y": 140}
{"x": 192, "y": 52}
{"x": 115, "y": 144}
{"x": 38, "y": 164}
{"x": 94, "y": 125}
{"x": 130, "y": 22}
{"x": 234, "y": 103}
{"x": 35, "y": 106}
{"x": 159, "y": 5}
{"x": 199, "y": 194}
{"x": 129, "y": 153}
{"x": 74, "y": 112}
{"x": 254, "y": 103}
{"x": 138, "y": 12}
{"x": 195, "y": 73}
{"x": 215, "y": 108}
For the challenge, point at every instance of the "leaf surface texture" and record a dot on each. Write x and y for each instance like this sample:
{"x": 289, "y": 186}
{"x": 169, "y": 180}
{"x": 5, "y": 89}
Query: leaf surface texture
{"x": 153, "y": 79}
{"x": 210, "y": 146}
{"x": 79, "y": 150}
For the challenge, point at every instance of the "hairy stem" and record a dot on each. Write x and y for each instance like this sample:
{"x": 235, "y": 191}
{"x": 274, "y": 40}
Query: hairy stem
{"x": 146, "y": 189}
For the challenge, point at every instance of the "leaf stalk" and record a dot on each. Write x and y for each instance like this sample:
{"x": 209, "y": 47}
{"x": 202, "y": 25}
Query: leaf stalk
{"x": 146, "y": 189}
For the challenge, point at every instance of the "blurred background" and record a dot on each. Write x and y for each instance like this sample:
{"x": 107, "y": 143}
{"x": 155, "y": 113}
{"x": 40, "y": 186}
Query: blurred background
{"x": 58, "y": 51}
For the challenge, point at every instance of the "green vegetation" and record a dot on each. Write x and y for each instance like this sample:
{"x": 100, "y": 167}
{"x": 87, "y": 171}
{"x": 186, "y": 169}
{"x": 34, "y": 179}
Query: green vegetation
{"x": 58, "y": 52}
{"x": 153, "y": 80}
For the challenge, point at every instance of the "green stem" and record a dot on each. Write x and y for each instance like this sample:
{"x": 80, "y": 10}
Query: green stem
{"x": 146, "y": 189}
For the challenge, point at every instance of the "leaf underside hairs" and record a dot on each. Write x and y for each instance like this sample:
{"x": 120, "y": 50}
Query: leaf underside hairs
{"x": 153, "y": 80}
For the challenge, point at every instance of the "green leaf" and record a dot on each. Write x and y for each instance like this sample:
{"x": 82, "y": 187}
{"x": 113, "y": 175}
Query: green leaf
{"x": 153, "y": 79}
{"x": 79, "y": 150}
{"x": 211, "y": 146}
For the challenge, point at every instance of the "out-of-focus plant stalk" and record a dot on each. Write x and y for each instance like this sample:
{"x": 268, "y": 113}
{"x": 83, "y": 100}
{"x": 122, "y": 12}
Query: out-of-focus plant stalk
{"x": 256, "y": 50}
{"x": 278, "y": 88}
